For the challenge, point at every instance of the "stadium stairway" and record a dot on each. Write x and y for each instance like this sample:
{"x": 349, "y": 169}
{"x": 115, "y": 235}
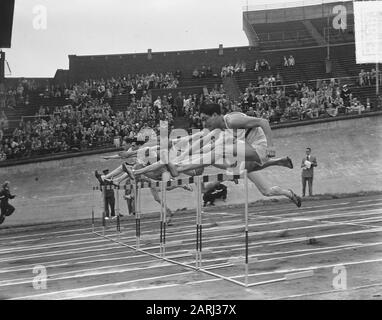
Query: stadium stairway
{"x": 186, "y": 91}
{"x": 314, "y": 32}
{"x": 231, "y": 88}
{"x": 310, "y": 65}
{"x": 30, "y": 110}
{"x": 120, "y": 102}
{"x": 181, "y": 123}
{"x": 209, "y": 83}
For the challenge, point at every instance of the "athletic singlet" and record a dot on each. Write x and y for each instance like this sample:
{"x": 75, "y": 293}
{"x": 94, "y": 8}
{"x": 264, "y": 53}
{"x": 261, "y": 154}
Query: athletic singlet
{"x": 142, "y": 157}
{"x": 252, "y": 136}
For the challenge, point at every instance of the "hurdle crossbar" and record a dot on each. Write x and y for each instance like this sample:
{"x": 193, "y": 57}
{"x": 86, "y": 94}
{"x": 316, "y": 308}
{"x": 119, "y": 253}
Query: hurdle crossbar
{"x": 221, "y": 177}
{"x": 163, "y": 213}
{"x": 198, "y": 180}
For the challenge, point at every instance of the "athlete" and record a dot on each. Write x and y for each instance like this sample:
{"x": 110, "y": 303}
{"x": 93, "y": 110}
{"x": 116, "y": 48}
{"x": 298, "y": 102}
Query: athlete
{"x": 254, "y": 146}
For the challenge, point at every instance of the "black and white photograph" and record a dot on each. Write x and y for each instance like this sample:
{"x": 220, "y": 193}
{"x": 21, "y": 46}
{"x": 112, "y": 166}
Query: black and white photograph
{"x": 190, "y": 154}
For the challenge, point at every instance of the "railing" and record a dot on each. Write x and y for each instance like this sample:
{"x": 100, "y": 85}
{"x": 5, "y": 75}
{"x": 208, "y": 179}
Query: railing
{"x": 285, "y": 35}
{"x": 284, "y": 5}
{"x": 58, "y": 156}
{"x": 338, "y": 80}
{"x": 302, "y": 35}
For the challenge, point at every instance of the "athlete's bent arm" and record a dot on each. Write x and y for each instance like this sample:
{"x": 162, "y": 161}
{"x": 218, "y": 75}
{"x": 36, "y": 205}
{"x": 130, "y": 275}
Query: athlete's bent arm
{"x": 116, "y": 156}
{"x": 246, "y": 122}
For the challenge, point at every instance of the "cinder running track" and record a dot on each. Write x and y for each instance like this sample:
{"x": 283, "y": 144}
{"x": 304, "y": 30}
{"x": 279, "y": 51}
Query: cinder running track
{"x": 347, "y": 243}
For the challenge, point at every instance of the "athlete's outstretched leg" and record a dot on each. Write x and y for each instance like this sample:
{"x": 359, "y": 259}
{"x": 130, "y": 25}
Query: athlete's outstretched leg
{"x": 194, "y": 172}
{"x": 121, "y": 178}
{"x": 150, "y": 168}
{"x": 203, "y": 142}
{"x": 262, "y": 184}
{"x": 282, "y": 162}
{"x": 115, "y": 172}
{"x": 210, "y": 154}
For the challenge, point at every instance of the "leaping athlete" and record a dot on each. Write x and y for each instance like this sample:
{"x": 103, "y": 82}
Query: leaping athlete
{"x": 254, "y": 145}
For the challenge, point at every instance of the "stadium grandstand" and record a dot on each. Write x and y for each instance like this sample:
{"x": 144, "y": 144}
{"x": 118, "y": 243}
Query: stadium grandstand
{"x": 300, "y": 66}
{"x": 159, "y": 156}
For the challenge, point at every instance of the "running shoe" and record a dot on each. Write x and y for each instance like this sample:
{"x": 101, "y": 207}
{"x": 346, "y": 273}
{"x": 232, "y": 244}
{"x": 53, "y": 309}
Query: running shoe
{"x": 188, "y": 187}
{"x": 127, "y": 169}
{"x": 98, "y": 176}
{"x": 295, "y": 198}
{"x": 172, "y": 169}
{"x": 290, "y": 163}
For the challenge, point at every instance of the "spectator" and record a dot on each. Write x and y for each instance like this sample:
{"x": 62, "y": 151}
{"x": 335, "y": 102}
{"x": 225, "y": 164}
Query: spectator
{"x": 209, "y": 72}
{"x": 243, "y": 66}
{"x": 203, "y": 72}
{"x": 332, "y": 110}
{"x": 3, "y": 121}
{"x": 257, "y": 65}
{"x": 361, "y": 78}
{"x": 178, "y": 74}
{"x": 279, "y": 79}
{"x": 356, "y": 106}
{"x": 5, "y": 207}
{"x": 3, "y": 156}
{"x": 307, "y": 165}
{"x": 158, "y": 104}
{"x": 291, "y": 61}
{"x": 286, "y": 62}
{"x": 109, "y": 199}
{"x": 216, "y": 191}
{"x": 379, "y": 102}
{"x": 179, "y": 104}
{"x": 264, "y": 65}
{"x": 346, "y": 95}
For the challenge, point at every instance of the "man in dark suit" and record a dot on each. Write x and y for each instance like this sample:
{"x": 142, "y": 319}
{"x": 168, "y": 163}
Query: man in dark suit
{"x": 307, "y": 165}
{"x": 109, "y": 200}
{"x": 5, "y": 195}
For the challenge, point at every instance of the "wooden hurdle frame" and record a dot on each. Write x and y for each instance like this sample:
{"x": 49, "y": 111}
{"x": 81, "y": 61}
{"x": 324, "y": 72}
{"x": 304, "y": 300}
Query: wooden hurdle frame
{"x": 198, "y": 180}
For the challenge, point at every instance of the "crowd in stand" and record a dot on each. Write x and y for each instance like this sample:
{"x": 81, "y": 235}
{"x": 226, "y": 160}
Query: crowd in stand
{"x": 203, "y": 72}
{"x": 88, "y": 121}
{"x": 262, "y": 65}
{"x": 368, "y": 78}
{"x": 17, "y": 94}
{"x": 301, "y": 102}
{"x": 288, "y": 62}
{"x": 229, "y": 70}
{"x": 132, "y": 84}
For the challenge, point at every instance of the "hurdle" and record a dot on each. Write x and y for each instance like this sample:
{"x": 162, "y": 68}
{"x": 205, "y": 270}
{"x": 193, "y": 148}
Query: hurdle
{"x": 163, "y": 213}
{"x": 118, "y": 213}
{"x": 166, "y": 182}
{"x": 93, "y": 222}
{"x": 137, "y": 210}
{"x": 103, "y": 190}
{"x": 198, "y": 266}
{"x": 198, "y": 192}
{"x": 199, "y": 225}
